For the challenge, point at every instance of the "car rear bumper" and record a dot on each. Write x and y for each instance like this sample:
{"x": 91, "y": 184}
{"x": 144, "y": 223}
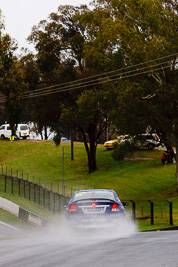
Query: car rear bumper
{"x": 108, "y": 146}
{"x": 100, "y": 221}
{"x": 95, "y": 222}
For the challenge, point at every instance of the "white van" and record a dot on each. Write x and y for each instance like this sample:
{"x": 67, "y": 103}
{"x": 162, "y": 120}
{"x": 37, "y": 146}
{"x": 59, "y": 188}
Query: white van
{"x": 21, "y": 132}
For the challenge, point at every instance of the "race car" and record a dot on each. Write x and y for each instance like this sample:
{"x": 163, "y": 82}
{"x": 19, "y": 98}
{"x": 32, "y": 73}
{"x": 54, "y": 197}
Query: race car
{"x": 95, "y": 206}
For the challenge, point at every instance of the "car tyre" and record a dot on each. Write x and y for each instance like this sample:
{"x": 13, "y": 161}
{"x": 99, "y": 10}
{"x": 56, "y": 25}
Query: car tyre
{"x": 150, "y": 146}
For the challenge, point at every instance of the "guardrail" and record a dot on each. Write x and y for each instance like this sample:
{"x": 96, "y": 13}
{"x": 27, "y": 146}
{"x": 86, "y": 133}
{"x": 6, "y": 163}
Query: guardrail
{"x": 24, "y": 214}
{"x": 33, "y": 218}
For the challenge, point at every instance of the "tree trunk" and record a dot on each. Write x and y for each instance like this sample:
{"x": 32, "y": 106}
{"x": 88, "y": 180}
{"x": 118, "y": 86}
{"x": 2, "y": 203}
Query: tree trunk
{"x": 13, "y": 129}
{"x": 92, "y": 158}
{"x": 90, "y": 148}
{"x": 92, "y": 155}
{"x": 169, "y": 149}
{"x": 177, "y": 164}
{"x": 45, "y": 132}
{"x": 41, "y": 135}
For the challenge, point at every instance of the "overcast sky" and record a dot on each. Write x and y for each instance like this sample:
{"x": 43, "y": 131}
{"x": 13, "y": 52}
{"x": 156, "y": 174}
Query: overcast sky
{"x": 21, "y": 15}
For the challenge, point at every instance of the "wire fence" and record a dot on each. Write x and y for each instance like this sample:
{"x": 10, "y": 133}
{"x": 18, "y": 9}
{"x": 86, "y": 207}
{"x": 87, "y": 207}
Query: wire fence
{"x": 49, "y": 199}
{"x": 57, "y": 188}
{"x": 154, "y": 212}
{"x": 150, "y": 212}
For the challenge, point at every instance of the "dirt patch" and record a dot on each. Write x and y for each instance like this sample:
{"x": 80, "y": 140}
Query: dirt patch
{"x": 136, "y": 158}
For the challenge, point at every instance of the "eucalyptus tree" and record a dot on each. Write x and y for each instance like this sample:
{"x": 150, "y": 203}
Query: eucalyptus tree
{"x": 114, "y": 35}
{"x": 54, "y": 60}
{"x": 12, "y": 83}
{"x": 146, "y": 33}
{"x": 43, "y": 111}
{"x": 84, "y": 110}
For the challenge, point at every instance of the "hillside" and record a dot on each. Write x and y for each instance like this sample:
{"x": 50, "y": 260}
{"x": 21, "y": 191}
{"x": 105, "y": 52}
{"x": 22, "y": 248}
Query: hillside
{"x": 141, "y": 177}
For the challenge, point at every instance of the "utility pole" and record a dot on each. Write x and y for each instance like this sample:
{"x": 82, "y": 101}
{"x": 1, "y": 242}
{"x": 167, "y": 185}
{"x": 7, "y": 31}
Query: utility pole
{"x": 63, "y": 170}
{"x": 71, "y": 137}
{"x": 72, "y": 143}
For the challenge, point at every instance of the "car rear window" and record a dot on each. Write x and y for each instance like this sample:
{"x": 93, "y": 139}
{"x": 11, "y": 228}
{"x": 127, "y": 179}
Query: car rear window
{"x": 23, "y": 127}
{"x": 149, "y": 137}
{"x": 94, "y": 195}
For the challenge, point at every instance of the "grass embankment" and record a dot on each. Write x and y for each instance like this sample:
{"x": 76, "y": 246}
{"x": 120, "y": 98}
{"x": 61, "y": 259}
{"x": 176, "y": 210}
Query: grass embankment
{"x": 140, "y": 178}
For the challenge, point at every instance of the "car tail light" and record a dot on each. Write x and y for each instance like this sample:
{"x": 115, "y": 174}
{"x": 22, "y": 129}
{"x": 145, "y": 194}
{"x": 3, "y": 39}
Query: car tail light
{"x": 93, "y": 204}
{"x": 72, "y": 208}
{"x": 157, "y": 137}
{"x": 115, "y": 207}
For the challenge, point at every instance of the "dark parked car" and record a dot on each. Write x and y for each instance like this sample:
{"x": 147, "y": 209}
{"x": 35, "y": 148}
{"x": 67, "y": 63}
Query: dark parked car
{"x": 146, "y": 140}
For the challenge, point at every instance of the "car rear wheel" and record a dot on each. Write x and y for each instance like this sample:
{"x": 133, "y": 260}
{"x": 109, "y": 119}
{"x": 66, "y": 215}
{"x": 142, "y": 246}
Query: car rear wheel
{"x": 2, "y": 136}
{"x": 151, "y": 146}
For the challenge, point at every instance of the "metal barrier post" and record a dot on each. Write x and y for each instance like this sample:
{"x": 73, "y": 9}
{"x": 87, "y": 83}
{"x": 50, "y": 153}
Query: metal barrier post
{"x": 44, "y": 197}
{"x": 54, "y": 202}
{"x": 48, "y": 200}
{"x": 12, "y": 185}
{"x": 152, "y": 211}
{"x": 24, "y": 188}
{"x": 5, "y": 183}
{"x": 29, "y": 193}
{"x": 39, "y": 195}
{"x": 133, "y": 210}
{"x": 19, "y": 185}
{"x": 59, "y": 204}
{"x": 34, "y": 194}
{"x": 170, "y": 213}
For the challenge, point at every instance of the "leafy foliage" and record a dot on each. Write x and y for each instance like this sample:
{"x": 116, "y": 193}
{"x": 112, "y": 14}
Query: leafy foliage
{"x": 12, "y": 83}
{"x": 78, "y": 42}
{"x": 123, "y": 150}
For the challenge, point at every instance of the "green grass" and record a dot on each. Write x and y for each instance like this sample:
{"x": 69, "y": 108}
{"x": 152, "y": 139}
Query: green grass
{"x": 140, "y": 178}
{"x": 12, "y": 219}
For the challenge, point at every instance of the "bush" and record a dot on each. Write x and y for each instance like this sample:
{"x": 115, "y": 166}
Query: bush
{"x": 122, "y": 150}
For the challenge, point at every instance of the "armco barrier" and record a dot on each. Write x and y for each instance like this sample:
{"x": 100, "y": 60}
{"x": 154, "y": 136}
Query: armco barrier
{"x": 24, "y": 214}
{"x": 9, "y": 206}
{"x": 33, "y": 219}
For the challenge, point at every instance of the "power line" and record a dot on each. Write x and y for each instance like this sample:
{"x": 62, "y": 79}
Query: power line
{"x": 80, "y": 85}
{"x": 107, "y": 73}
{"x": 84, "y": 86}
{"x": 102, "y": 74}
{"x": 91, "y": 81}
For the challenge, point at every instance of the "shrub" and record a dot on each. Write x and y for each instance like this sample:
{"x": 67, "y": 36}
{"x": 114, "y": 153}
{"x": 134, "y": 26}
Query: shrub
{"x": 122, "y": 150}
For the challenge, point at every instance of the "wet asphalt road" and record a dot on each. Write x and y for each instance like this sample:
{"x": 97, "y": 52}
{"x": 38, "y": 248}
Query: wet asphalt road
{"x": 88, "y": 249}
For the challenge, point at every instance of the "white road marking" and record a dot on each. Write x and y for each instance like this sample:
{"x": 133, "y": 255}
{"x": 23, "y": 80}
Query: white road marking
{"x": 8, "y": 225}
